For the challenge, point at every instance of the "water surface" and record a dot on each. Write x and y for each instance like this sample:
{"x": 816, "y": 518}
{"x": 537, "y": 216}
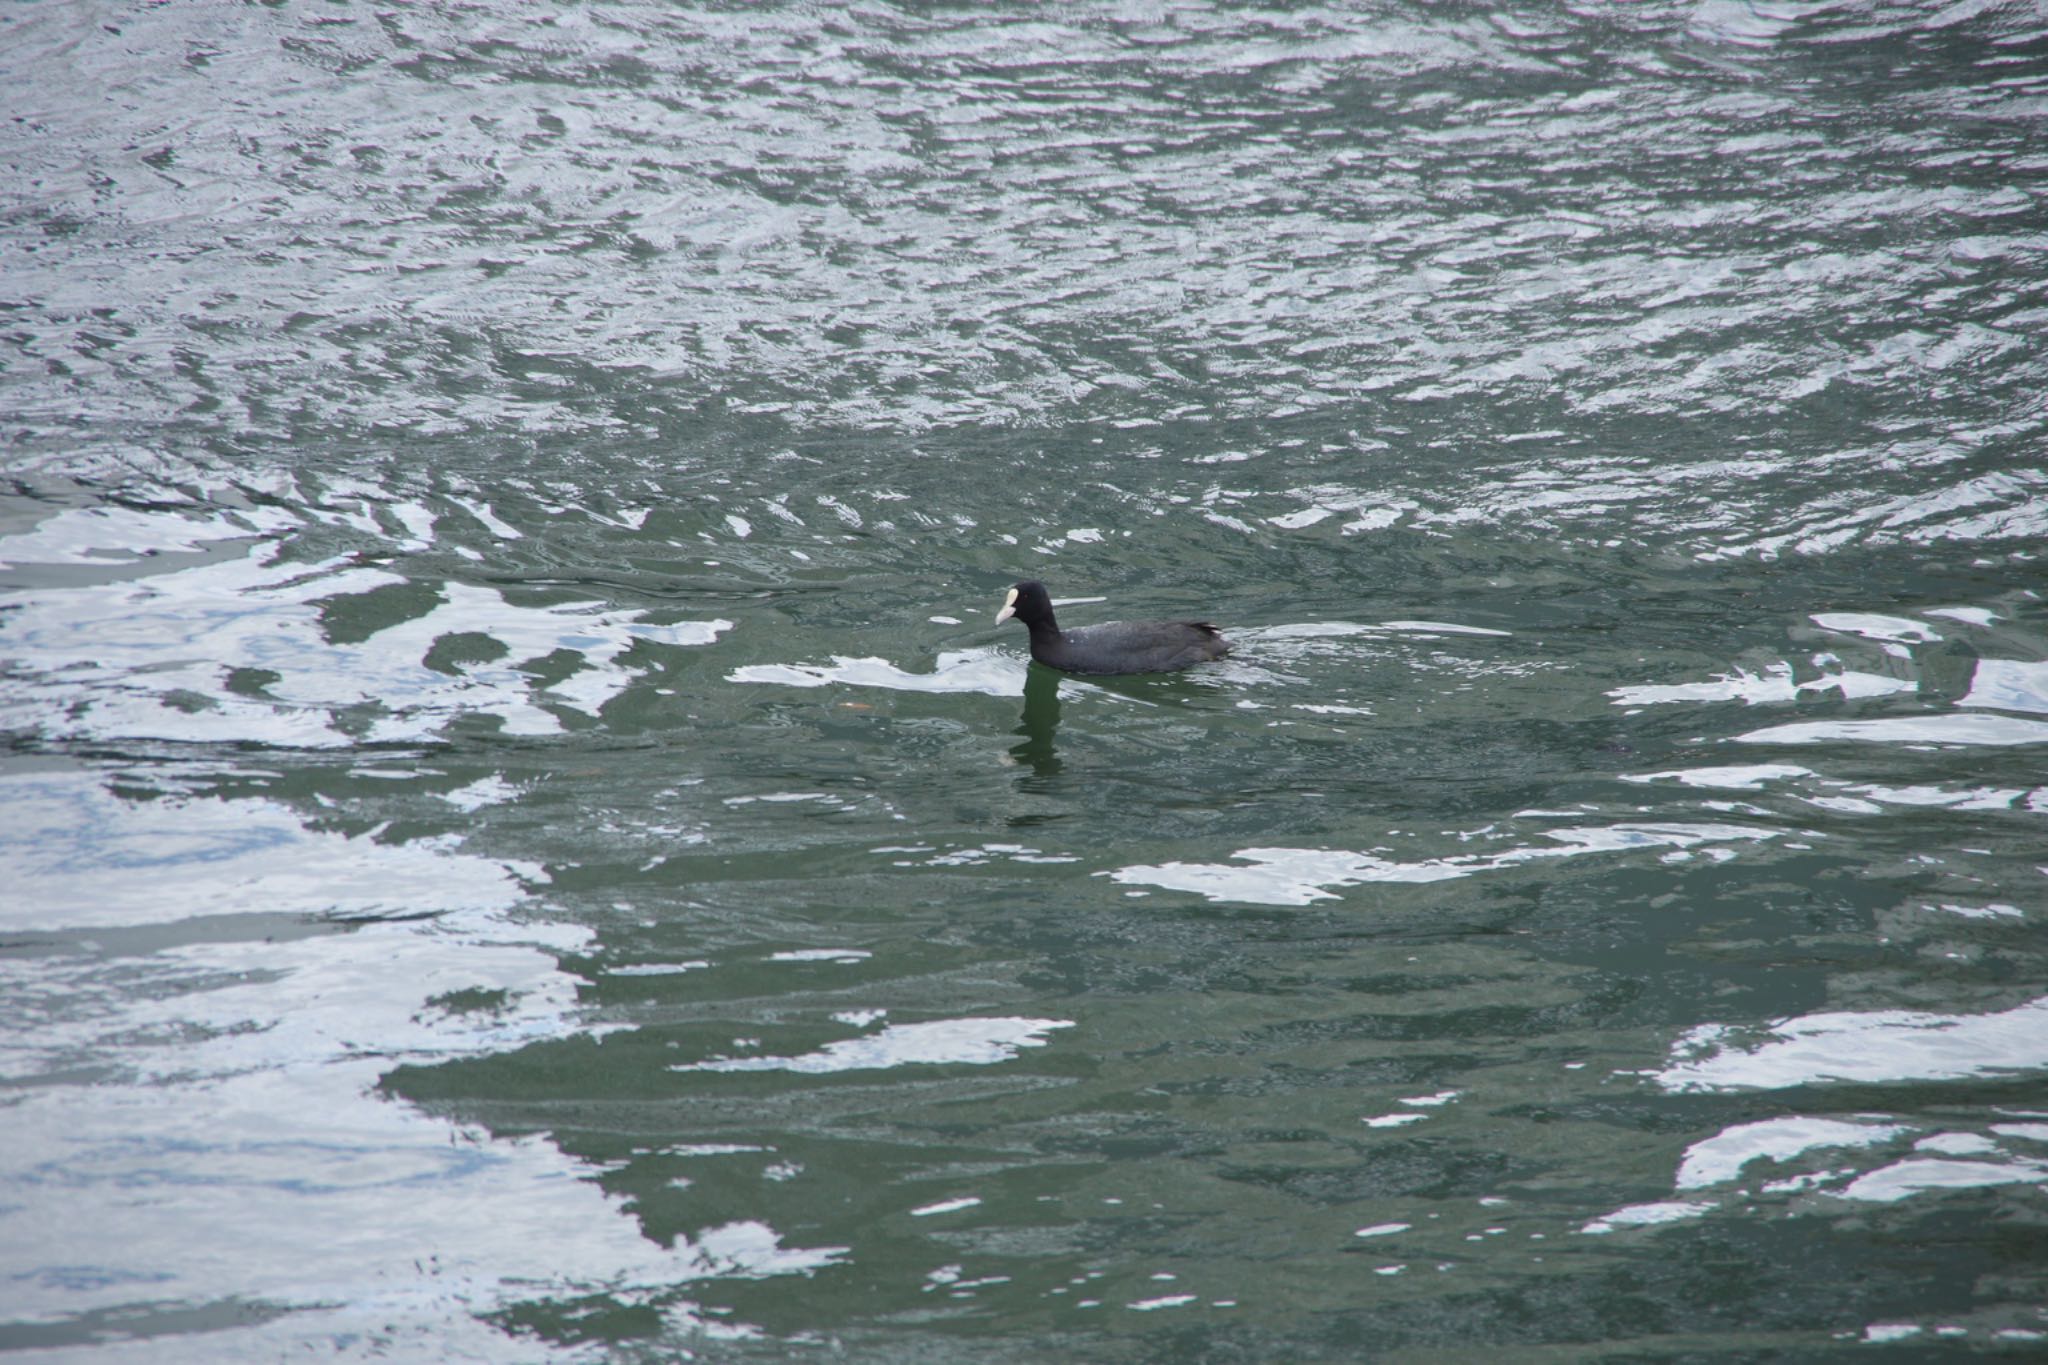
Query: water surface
{"x": 528, "y": 844}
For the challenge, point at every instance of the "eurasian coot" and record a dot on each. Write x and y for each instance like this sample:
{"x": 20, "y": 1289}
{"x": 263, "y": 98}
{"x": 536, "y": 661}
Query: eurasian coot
{"x": 1120, "y": 647}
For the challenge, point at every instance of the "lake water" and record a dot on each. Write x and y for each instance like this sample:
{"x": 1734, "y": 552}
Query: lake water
{"x": 524, "y": 840}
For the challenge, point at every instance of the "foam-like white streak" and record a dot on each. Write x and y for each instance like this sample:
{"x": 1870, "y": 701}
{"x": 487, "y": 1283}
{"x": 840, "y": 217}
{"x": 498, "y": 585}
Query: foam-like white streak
{"x": 1954, "y": 798}
{"x": 1860, "y": 797}
{"x": 1917, "y": 1175}
{"x": 1441, "y": 627}
{"x": 1283, "y": 876}
{"x": 80, "y": 857}
{"x": 124, "y": 535}
{"x": 1300, "y": 876}
{"x": 1318, "y": 630}
{"x": 967, "y": 1201}
{"x": 1648, "y": 1215}
{"x": 1941, "y": 1161}
{"x": 1873, "y": 626}
{"x": 217, "y": 1099}
{"x": 1722, "y": 1157}
{"x": 491, "y": 521}
{"x": 1996, "y": 684}
{"x": 1992, "y": 731}
{"x": 1307, "y": 630}
{"x": 1747, "y": 777}
{"x": 970, "y": 670}
{"x": 485, "y": 791}
{"x": 1879, "y": 1047}
{"x": 941, "y": 1042}
{"x": 1774, "y": 684}
{"x": 155, "y": 658}
{"x": 2008, "y": 685}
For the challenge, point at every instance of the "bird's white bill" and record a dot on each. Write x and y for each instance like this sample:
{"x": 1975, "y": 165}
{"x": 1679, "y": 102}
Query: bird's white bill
{"x": 1009, "y": 607}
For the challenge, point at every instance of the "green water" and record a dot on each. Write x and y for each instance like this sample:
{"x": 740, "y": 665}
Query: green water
{"x": 529, "y": 843}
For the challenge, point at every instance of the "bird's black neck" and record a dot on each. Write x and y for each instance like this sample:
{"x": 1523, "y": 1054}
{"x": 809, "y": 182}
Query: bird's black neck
{"x": 1044, "y": 630}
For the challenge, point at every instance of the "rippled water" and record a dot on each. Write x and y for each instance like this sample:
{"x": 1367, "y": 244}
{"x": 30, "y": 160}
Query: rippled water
{"x": 526, "y": 842}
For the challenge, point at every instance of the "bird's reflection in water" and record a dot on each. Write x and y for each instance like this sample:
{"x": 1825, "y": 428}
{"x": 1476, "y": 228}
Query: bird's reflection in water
{"x": 1041, "y": 721}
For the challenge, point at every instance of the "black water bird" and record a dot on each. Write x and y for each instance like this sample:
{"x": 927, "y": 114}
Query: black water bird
{"x": 1119, "y": 647}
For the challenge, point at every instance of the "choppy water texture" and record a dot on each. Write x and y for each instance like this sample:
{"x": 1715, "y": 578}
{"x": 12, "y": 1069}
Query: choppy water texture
{"x": 523, "y": 840}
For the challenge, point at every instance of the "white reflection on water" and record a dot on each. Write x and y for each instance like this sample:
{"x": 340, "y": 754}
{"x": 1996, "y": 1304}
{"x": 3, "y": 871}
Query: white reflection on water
{"x": 485, "y": 791}
{"x": 1722, "y": 1159}
{"x": 1774, "y": 684}
{"x": 1856, "y": 797}
{"x": 1440, "y": 627}
{"x": 1919, "y": 1175}
{"x": 1876, "y": 626}
{"x": 1969, "y": 616}
{"x": 1648, "y": 1215}
{"x": 1299, "y": 876}
{"x": 988, "y": 671}
{"x": 1827, "y": 1157}
{"x": 212, "y": 1099}
{"x": 2008, "y": 685}
{"x": 1993, "y": 731}
{"x": 126, "y": 535}
{"x": 1327, "y": 630}
{"x": 80, "y": 857}
{"x": 1877, "y": 1047}
{"x": 1746, "y": 777}
{"x": 967, "y": 1201}
{"x": 940, "y": 1042}
{"x": 238, "y": 651}
{"x": 1994, "y": 684}
{"x": 1867, "y": 1157}
{"x": 1724, "y": 1156}
{"x": 1321, "y": 630}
